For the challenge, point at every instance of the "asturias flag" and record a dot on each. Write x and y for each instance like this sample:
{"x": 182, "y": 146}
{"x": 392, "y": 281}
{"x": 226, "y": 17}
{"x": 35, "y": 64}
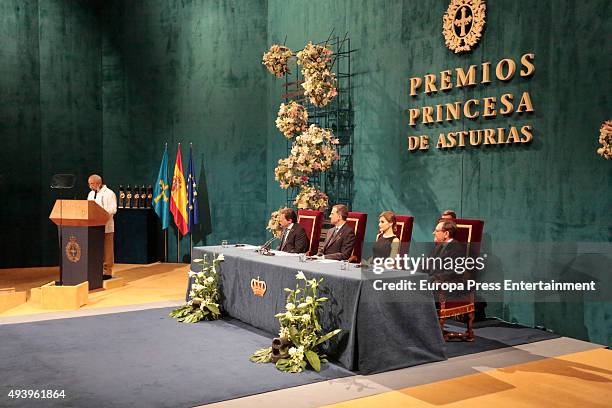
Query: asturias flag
{"x": 192, "y": 195}
{"x": 161, "y": 195}
{"x": 178, "y": 197}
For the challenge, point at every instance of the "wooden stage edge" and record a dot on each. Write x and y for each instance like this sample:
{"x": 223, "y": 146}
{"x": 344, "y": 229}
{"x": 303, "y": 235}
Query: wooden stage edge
{"x": 137, "y": 284}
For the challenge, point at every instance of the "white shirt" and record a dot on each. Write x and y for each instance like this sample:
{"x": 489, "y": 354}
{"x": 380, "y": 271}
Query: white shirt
{"x": 106, "y": 199}
{"x": 337, "y": 229}
{"x": 286, "y": 234}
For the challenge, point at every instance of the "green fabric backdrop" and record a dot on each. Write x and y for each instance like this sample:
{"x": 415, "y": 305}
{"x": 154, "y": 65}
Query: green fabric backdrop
{"x": 94, "y": 86}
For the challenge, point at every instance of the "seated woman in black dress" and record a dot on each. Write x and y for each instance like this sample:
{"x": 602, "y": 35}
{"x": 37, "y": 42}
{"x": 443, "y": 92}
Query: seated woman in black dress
{"x": 387, "y": 244}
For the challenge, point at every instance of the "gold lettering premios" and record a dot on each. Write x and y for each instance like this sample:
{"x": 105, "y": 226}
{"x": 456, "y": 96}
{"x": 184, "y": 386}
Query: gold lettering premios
{"x": 487, "y": 107}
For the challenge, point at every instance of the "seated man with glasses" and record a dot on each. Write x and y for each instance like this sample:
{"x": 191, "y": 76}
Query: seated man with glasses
{"x": 446, "y": 248}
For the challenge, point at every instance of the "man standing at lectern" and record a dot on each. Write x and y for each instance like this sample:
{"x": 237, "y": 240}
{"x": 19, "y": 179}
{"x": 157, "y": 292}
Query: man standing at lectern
{"x": 106, "y": 199}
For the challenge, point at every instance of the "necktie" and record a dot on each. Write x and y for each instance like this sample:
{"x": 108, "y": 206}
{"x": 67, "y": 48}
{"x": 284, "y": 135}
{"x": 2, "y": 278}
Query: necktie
{"x": 284, "y": 238}
{"x": 334, "y": 232}
{"x": 95, "y": 194}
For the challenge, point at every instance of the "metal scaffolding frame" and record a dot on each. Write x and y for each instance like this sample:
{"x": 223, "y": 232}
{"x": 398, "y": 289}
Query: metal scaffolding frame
{"x": 337, "y": 182}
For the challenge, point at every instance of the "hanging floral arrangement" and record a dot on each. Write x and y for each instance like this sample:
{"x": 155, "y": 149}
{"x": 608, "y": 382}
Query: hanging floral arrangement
{"x": 320, "y": 87}
{"x": 292, "y": 119}
{"x": 274, "y": 223}
{"x": 276, "y": 60}
{"x": 314, "y": 58}
{"x": 310, "y": 197}
{"x": 315, "y": 150}
{"x": 288, "y": 173}
{"x": 605, "y": 139}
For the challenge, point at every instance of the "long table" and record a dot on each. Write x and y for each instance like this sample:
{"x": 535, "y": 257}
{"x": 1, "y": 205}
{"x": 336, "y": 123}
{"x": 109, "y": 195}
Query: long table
{"x": 379, "y": 333}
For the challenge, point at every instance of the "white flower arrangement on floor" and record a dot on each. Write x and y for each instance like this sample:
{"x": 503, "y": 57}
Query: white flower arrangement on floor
{"x": 297, "y": 346}
{"x": 203, "y": 301}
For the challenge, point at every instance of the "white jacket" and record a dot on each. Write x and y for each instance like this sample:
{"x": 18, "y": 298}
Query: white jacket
{"x": 106, "y": 199}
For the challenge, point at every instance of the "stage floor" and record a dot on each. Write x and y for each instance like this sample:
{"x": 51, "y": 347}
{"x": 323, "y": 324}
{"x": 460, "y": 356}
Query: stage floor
{"x": 558, "y": 372}
{"x": 158, "y": 282}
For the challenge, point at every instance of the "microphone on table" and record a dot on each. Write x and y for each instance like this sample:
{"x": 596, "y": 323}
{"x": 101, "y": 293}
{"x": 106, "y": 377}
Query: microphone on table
{"x": 265, "y": 248}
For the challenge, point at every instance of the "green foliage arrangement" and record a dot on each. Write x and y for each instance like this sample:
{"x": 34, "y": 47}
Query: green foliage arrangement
{"x": 203, "y": 301}
{"x": 299, "y": 337}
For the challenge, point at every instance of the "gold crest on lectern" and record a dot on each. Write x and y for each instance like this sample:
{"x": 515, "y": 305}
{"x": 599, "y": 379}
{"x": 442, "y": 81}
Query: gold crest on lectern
{"x": 463, "y": 23}
{"x": 73, "y": 250}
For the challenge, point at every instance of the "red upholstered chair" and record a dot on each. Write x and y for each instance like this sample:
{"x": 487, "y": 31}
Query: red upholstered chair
{"x": 357, "y": 221}
{"x": 404, "y": 232}
{"x": 469, "y": 231}
{"x": 312, "y": 221}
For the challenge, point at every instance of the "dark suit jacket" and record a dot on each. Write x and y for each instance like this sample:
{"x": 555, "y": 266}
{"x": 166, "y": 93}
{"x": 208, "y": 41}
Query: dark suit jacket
{"x": 340, "y": 246}
{"x": 296, "y": 242}
{"x": 453, "y": 249}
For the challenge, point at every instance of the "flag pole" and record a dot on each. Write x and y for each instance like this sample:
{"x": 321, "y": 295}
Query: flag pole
{"x": 166, "y": 230}
{"x": 178, "y": 245}
{"x": 190, "y": 231}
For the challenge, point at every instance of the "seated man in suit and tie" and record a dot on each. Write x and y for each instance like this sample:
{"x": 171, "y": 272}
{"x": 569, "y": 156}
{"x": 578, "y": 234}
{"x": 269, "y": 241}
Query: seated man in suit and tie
{"x": 340, "y": 239}
{"x": 446, "y": 247}
{"x": 293, "y": 237}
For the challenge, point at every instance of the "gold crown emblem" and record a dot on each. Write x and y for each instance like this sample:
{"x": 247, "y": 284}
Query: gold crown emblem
{"x": 463, "y": 23}
{"x": 258, "y": 287}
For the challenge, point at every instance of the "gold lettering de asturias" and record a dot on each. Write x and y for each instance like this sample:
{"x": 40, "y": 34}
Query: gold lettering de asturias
{"x": 487, "y": 107}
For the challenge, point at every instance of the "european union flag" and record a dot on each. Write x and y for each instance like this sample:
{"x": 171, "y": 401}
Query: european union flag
{"x": 161, "y": 195}
{"x": 192, "y": 195}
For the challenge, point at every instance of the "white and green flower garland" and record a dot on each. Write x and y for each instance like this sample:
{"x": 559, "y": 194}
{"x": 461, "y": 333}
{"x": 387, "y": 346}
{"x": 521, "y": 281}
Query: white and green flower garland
{"x": 300, "y": 329}
{"x": 203, "y": 301}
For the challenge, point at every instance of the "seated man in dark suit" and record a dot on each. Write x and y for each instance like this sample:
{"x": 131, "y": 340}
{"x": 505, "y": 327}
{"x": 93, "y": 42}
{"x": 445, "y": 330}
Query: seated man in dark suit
{"x": 293, "y": 237}
{"x": 448, "y": 215}
{"x": 446, "y": 248}
{"x": 340, "y": 240}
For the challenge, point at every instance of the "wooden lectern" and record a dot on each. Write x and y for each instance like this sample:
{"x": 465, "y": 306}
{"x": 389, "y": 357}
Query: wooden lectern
{"x": 81, "y": 226}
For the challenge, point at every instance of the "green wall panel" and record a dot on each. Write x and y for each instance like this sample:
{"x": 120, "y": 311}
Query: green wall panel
{"x": 50, "y": 118}
{"x": 91, "y": 86}
{"x": 177, "y": 71}
{"x": 554, "y": 190}
{"x": 70, "y": 103}
{"x": 20, "y": 154}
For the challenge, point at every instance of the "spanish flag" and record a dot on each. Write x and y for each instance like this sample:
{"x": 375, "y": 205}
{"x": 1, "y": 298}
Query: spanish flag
{"x": 178, "y": 196}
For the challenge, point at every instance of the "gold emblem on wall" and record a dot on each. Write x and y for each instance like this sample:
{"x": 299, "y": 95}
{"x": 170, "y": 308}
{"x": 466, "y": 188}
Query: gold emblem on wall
{"x": 463, "y": 23}
{"x": 258, "y": 287}
{"x": 73, "y": 250}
